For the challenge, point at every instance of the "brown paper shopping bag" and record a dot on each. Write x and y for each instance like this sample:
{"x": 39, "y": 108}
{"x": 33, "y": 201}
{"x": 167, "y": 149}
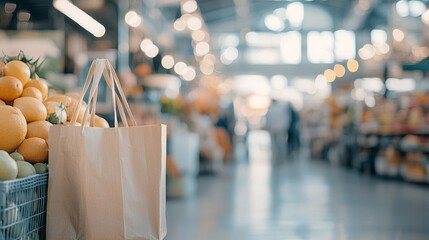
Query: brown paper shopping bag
{"x": 106, "y": 183}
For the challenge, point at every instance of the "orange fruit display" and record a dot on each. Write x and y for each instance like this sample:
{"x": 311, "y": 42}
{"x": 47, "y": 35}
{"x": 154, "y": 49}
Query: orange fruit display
{"x": 17, "y": 69}
{"x": 11, "y": 88}
{"x": 34, "y": 150}
{"x": 31, "y": 108}
{"x": 13, "y": 128}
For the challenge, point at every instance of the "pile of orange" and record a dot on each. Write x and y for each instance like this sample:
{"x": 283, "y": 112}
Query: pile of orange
{"x": 26, "y": 109}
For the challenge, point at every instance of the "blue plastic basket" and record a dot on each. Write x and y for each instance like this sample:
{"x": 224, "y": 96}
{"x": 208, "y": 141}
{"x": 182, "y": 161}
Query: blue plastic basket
{"x": 23, "y": 208}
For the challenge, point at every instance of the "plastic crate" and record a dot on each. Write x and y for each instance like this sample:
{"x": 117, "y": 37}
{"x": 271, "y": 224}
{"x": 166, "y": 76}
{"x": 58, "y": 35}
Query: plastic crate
{"x": 23, "y": 208}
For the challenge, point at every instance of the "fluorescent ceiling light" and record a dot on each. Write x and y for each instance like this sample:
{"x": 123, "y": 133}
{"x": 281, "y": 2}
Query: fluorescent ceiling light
{"x": 80, "y": 17}
{"x": 274, "y": 23}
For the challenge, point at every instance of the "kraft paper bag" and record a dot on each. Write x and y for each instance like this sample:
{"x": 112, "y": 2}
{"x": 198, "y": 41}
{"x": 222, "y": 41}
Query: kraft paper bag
{"x": 106, "y": 183}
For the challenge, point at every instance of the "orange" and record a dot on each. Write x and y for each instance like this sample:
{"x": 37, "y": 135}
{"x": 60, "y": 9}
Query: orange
{"x": 65, "y": 100}
{"x": 100, "y": 122}
{"x": 32, "y": 92}
{"x": 17, "y": 69}
{"x": 34, "y": 150}
{"x": 74, "y": 95}
{"x": 13, "y": 128}
{"x": 73, "y": 106}
{"x": 11, "y": 88}
{"x": 38, "y": 129}
{"x": 40, "y": 84}
{"x": 81, "y": 115}
{"x": 33, "y": 109}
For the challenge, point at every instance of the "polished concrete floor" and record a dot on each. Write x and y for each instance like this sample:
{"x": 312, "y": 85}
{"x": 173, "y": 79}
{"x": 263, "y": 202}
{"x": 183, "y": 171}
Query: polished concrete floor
{"x": 298, "y": 199}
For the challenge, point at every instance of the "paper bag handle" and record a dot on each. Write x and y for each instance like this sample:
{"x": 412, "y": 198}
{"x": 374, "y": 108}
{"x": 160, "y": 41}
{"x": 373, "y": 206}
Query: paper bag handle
{"x": 98, "y": 68}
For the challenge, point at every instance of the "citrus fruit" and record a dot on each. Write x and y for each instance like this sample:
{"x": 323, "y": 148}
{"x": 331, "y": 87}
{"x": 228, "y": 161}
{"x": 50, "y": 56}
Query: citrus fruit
{"x": 32, "y": 92}
{"x": 74, "y": 95}
{"x": 38, "y": 129}
{"x": 32, "y": 109}
{"x": 81, "y": 114}
{"x": 41, "y": 168}
{"x": 8, "y": 167}
{"x": 13, "y": 128}
{"x": 34, "y": 150}
{"x": 100, "y": 122}
{"x": 17, "y": 156}
{"x": 11, "y": 88}
{"x": 65, "y": 100}
{"x": 40, "y": 84}
{"x": 17, "y": 69}
{"x": 25, "y": 169}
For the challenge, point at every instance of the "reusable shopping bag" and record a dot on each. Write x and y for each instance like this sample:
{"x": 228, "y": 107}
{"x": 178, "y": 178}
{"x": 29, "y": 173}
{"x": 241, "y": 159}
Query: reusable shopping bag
{"x": 106, "y": 183}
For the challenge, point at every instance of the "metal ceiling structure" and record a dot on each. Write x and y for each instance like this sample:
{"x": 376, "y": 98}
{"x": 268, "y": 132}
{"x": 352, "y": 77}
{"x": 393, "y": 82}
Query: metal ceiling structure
{"x": 220, "y": 16}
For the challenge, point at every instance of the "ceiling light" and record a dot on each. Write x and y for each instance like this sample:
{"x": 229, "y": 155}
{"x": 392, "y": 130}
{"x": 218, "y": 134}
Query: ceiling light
{"x": 378, "y": 37}
{"x": 278, "y": 82}
{"x": 202, "y": 48}
{"x": 367, "y": 52}
{"x": 339, "y": 70}
{"x": 329, "y": 75}
{"x": 80, "y": 17}
{"x": 146, "y": 44}
{"x": 210, "y": 58}
{"x": 320, "y": 82}
{"x": 370, "y": 101}
{"x": 274, "y": 23}
{"x": 133, "y": 19}
{"x": 229, "y": 40}
{"x": 399, "y": 35}
{"x": 194, "y": 23}
{"x": 190, "y": 74}
{"x": 281, "y": 13}
{"x": 180, "y": 68}
{"x": 252, "y": 38}
{"x": 206, "y": 67}
{"x": 189, "y": 6}
{"x": 295, "y": 13}
{"x": 425, "y": 17}
{"x": 198, "y": 35}
{"x": 167, "y": 61}
{"x": 384, "y": 49}
{"x": 152, "y": 51}
{"x": 416, "y": 8}
{"x": 179, "y": 24}
{"x": 229, "y": 55}
{"x": 352, "y": 65}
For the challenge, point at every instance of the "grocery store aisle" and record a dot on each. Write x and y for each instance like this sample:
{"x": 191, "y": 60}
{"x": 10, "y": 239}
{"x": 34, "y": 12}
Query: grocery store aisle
{"x": 298, "y": 199}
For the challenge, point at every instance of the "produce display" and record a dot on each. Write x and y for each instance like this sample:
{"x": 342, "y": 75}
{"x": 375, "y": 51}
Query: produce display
{"x": 390, "y": 138}
{"x": 27, "y": 113}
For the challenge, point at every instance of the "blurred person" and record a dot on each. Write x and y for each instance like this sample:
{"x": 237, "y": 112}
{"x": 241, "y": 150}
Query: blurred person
{"x": 277, "y": 124}
{"x": 293, "y": 137}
